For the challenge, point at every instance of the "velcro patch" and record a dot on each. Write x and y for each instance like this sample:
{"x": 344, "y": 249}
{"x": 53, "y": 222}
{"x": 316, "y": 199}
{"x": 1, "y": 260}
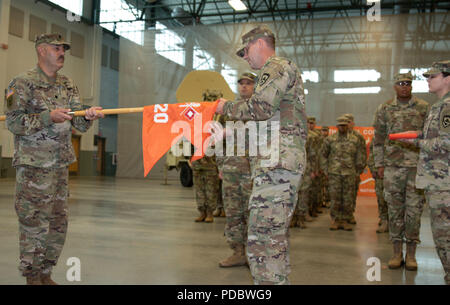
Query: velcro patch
{"x": 445, "y": 120}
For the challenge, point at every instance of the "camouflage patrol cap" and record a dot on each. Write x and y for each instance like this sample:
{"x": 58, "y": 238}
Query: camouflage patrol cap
{"x": 258, "y": 32}
{"x": 401, "y": 77}
{"x": 311, "y": 119}
{"x": 438, "y": 67}
{"x": 248, "y": 75}
{"x": 54, "y": 38}
{"x": 342, "y": 120}
{"x": 325, "y": 128}
{"x": 349, "y": 116}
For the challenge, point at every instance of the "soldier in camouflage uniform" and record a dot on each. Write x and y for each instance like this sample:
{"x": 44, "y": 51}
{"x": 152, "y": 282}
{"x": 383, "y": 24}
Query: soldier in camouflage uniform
{"x": 37, "y": 106}
{"x": 433, "y": 168}
{"x": 383, "y": 224}
{"x": 326, "y": 195}
{"x": 315, "y": 190}
{"x": 361, "y": 150}
{"x": 206, "y": 187}
{"x": 396, "y": 162}
{"x": 339, "y": 163}
{"x": 235, "y": 173}
{"x": 210, "y": 96}
{"x": 278, "y": 100}
{"x": 303, "y": 208}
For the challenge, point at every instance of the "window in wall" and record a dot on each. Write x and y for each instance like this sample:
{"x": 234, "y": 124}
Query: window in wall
{"x": 312, "y": 76}
{"x": 169, "y": 44}
{"x": 360, "y": 90}
{"x": 117, "y": 10}
{"x": 75, "y": 6}
{"x": 419, "y": 84}
{"x": 356, "y": 75}
{"x": 230, "y": 76}
{"x": 202, "y": 60}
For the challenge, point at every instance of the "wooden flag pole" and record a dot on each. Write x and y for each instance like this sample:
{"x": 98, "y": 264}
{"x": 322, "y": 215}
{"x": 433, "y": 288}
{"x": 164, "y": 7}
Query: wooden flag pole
{"x": 104, "y": 111}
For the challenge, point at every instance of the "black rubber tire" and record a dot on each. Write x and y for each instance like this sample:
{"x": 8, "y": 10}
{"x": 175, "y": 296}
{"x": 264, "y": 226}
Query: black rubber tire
{"x": 186, "y": 178}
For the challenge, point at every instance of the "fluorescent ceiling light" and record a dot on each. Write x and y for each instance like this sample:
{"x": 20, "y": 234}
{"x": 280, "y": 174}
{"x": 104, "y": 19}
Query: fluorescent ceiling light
{"x": 237, "y": 5}
{"x": 360, "y": 90}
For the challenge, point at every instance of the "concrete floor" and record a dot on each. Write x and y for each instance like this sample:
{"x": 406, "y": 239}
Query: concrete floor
{"x": 136, "y": 231}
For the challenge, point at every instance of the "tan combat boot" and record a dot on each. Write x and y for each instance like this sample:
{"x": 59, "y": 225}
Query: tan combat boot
{"x": 318, "y": 210}
{"x": 237, "y": 259}
{"x": 222, "y": 213}
{"x": 301, "y": 222}
{"x": 201, "y": 217}
{"x": 352, "y": 220}
{"x": 47, "y": 280}
{"x": 209, "y": 217}
{"x": 293, "y": 221}
{"x": 410, "y": 258}
{"x": 383, "y": 227}
{"x": 33, "y": 280}
{"x": 346, "y": 226}
{"x": 396, "y": 260}
{"x": 308, "y": 218}
{"x": 334, "y": 225}
{"x": 217, "y": 212}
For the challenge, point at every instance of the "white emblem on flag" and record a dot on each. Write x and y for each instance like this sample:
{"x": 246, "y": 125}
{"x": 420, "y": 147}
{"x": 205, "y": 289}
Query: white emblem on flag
{"x": 189, "y": 112}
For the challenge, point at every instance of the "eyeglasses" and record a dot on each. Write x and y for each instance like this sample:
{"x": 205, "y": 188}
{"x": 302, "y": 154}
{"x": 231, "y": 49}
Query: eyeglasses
{"x": 404, "y": 83}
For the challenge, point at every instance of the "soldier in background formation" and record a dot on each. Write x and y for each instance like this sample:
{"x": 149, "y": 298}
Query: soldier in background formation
{"x": 315, "y": 190}
{"x": 340, "y": 163}
{"x": 212, "y": 96}
{"x": 396, "y": 162}
{"x": 361, "y": 150}
{"x": 236, "y": 186}
{"x": 326, "y": 195}
{"x": 303, "y": 208}
{"x": 433, "y": 168}
{"x": 383, "y": 223}
{"x": 37, "y": 106}
{"x": 206, "y": 187}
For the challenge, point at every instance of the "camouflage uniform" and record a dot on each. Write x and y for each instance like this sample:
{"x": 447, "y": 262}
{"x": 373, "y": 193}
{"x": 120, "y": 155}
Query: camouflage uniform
{"x": 405, "y": 202}
{"x": 433, "y": 170}
{"x": 212, "y": 96}
{"x": 278, "y": 98}
{"x": 303, "y": 203}
{"x": 42, "y": 153}
{"x": 382, "y": 205}
{"x": 315, "y": 190}
{"x": 361, "y": 150}
{"x": 340, "y": 163}
{"x": 206, "y": 183}
{"x": 236, "y": 190}
{"x": 325, "y": 192}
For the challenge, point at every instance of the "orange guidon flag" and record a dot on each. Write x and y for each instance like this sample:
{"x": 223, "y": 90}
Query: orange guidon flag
{"x": 164, "y": 124}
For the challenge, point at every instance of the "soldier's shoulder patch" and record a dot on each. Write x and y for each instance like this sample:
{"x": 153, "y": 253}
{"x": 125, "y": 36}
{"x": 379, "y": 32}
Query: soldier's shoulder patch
{"x": 272, "y": 71}
{"x": 263, "y": 79}
{"x": 444, "y": 120}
